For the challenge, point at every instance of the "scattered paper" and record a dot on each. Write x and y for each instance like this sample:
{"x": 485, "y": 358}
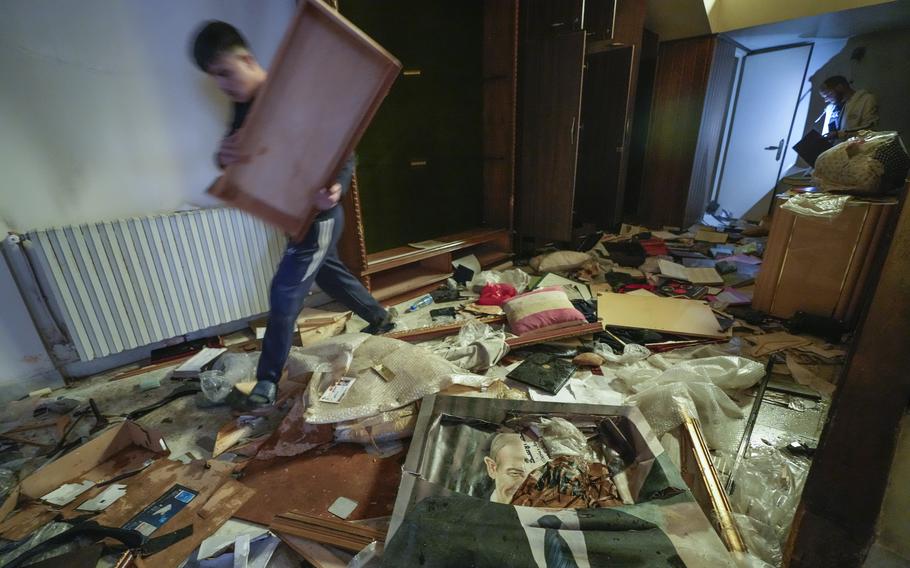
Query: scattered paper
{"x": 642, "y": 292}
{"x": 693, "y": 275}
{"x": 225, "y": 536}
{"x": 742, "y": 258}
{"x": 101, "y": 501}
{"x": 470, "y": 262}
{"x": 665, "y": 235}
{"x": 336, "y": 392}
{"x": 593, "y": 389}
{"x": 711, "y": 236}
{"x": 67, "y": 492}
{"x": 804, "y": 376}
{"x": 773, "y": 342}
{"x": 733, "y": 297}
{"x": 192, "y": 366}
{"x": 343, "y": 507}
{"x": 574, "y": 290}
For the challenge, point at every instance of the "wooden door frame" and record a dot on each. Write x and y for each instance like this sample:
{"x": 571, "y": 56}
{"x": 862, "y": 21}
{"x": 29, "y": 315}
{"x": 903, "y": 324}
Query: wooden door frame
{"x": 836, "y": 518}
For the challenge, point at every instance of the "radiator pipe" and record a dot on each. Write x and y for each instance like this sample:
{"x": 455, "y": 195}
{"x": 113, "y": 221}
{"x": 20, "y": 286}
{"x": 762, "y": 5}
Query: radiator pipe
{"x": 56, "y": 342}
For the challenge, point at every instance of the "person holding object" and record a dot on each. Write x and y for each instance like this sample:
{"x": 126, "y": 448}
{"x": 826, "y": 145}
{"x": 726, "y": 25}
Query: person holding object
{"x": 220, "y": 51}
{"x": 849, "y": 111}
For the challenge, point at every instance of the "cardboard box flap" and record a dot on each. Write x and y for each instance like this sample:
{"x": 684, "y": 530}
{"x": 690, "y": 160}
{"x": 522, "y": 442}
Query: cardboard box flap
{"x": 90, "y": 455}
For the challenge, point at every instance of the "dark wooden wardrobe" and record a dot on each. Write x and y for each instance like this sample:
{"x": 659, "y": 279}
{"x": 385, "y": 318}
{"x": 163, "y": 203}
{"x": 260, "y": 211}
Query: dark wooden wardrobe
{"x": 578, "y": 67}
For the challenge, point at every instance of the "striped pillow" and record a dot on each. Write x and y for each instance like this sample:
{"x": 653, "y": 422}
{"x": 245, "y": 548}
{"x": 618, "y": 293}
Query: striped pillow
{"x": 544, "y": 308}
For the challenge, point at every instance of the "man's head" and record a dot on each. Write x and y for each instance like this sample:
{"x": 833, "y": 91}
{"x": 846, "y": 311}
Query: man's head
{"x": 220, "y": 51}
{"x": 835, "y": 90}
{"x": 506, "y": 466}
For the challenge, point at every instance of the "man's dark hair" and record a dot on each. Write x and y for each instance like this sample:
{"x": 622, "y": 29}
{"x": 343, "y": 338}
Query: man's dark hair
{"x": 214, "y": 39}
{"x": 832, "y": 82}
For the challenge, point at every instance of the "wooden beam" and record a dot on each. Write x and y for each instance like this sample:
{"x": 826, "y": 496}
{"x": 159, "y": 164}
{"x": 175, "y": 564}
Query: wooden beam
{"x": 835, "y": 520}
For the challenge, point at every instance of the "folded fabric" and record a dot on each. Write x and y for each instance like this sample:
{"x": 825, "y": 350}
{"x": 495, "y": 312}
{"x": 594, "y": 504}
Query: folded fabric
{"x": 496, "y": 294}
{"x": 544, "y": 308}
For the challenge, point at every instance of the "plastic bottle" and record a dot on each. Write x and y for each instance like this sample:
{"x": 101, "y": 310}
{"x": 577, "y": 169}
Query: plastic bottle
{"x": 421, "y": 302}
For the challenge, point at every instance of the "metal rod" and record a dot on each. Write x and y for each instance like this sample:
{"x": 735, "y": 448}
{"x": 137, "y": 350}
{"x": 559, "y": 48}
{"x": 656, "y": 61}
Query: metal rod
{"x": 750, "y": 423}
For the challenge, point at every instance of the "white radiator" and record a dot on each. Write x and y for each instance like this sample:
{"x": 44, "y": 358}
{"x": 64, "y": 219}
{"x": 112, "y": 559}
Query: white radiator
{"x": 118, "y": 285}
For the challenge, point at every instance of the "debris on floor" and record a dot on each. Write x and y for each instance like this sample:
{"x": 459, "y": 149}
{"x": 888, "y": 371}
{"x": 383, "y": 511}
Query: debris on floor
{"x": 630, "y": 380}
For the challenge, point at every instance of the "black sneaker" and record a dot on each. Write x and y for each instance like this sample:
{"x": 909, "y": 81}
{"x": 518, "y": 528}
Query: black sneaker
{"x": 378, "y": 328}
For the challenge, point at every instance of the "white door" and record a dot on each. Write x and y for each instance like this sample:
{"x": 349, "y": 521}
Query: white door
{"x": 769, "y": 91}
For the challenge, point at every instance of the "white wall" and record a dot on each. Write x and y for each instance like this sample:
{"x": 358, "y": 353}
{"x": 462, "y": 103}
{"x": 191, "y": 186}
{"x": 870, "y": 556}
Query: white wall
{"x": 103, "y": 116}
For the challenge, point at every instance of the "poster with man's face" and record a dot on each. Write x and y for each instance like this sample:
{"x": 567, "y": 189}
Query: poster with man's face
{"x": 502, "y": 463}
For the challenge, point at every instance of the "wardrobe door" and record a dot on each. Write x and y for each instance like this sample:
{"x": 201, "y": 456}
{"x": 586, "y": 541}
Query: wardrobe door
{"x": 551, "y": 88}
{"x": 602, "y": 159}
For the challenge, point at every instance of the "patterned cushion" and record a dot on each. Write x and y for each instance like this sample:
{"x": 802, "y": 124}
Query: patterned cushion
{"x": 544, "y": 308}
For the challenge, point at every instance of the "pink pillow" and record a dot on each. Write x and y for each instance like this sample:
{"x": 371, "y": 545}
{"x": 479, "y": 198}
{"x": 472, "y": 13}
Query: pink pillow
{"x": 544, "y": 308}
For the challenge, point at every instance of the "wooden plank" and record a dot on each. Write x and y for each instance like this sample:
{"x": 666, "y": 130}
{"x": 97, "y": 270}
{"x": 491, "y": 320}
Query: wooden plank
{"x": 326, "y": 531}
{"x": 387, "y": 285}
{"x": 553, "y": 335}
{"x": 431, "y": 332}
{"x": 324, "y": 86}
{"x": 835, "y": 521}
{"x": 666, "y": 315}
{"x": 400, "y": 256}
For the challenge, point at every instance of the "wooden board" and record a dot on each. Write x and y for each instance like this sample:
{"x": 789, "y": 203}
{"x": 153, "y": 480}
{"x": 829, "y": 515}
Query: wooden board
{"x": 310, "y": 483}
{"x": 323, "y": 89}
{"x": 666, "y": 315}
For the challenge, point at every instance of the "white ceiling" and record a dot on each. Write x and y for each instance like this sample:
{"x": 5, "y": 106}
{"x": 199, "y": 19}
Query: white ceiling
{"x": 834, "y": 25}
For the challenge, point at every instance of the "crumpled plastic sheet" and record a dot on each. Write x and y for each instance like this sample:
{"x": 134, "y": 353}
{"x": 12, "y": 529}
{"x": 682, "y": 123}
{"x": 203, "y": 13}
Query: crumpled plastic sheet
{"x": 238, "y": 367}
{"x": 561, "y": 438}
{"x": 417, "y": 373}
{"x": 517, "y": 278}
{"x": 693, "y": 388}
{"x": 8, "y": 481}
{"x": 822, "y": 205}
{"x": 369, "y": 557}
{"x": 630, "y": 354}
{"x": 379, "y": 429}
{"x": 46, "y": 532}
{"x": 767, "y": 488}
{"x": 477, "y": 347}
{"x": 331, "y": 356}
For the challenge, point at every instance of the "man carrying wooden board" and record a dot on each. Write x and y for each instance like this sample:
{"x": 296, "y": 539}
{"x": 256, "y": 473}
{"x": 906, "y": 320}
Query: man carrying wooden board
{"x": 221, "y": 51}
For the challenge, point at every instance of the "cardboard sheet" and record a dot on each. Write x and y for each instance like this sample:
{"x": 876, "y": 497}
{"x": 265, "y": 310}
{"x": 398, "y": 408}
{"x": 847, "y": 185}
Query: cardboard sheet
{"x": 121, "y": 448}
{"x": 311, "y": 482}
{"x": 668, "y": 315}
{"x": 324, "y": 86}
{"x": 705, "y": 275}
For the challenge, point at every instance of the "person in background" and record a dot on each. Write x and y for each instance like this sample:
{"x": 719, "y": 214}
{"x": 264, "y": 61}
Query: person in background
{"x": 849, "y": 111}
{"x": 220, "y": 51}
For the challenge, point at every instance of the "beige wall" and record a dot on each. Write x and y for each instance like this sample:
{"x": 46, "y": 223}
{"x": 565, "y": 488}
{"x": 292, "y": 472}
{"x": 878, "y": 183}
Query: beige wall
{"x": 727, "y": 15}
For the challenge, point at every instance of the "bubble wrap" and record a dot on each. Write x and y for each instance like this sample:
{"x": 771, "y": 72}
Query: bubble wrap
{"x": 417, "y": 373}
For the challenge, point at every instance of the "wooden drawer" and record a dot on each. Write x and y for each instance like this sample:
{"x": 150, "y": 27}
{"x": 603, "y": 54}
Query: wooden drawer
{"x": 820, "y": 266}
